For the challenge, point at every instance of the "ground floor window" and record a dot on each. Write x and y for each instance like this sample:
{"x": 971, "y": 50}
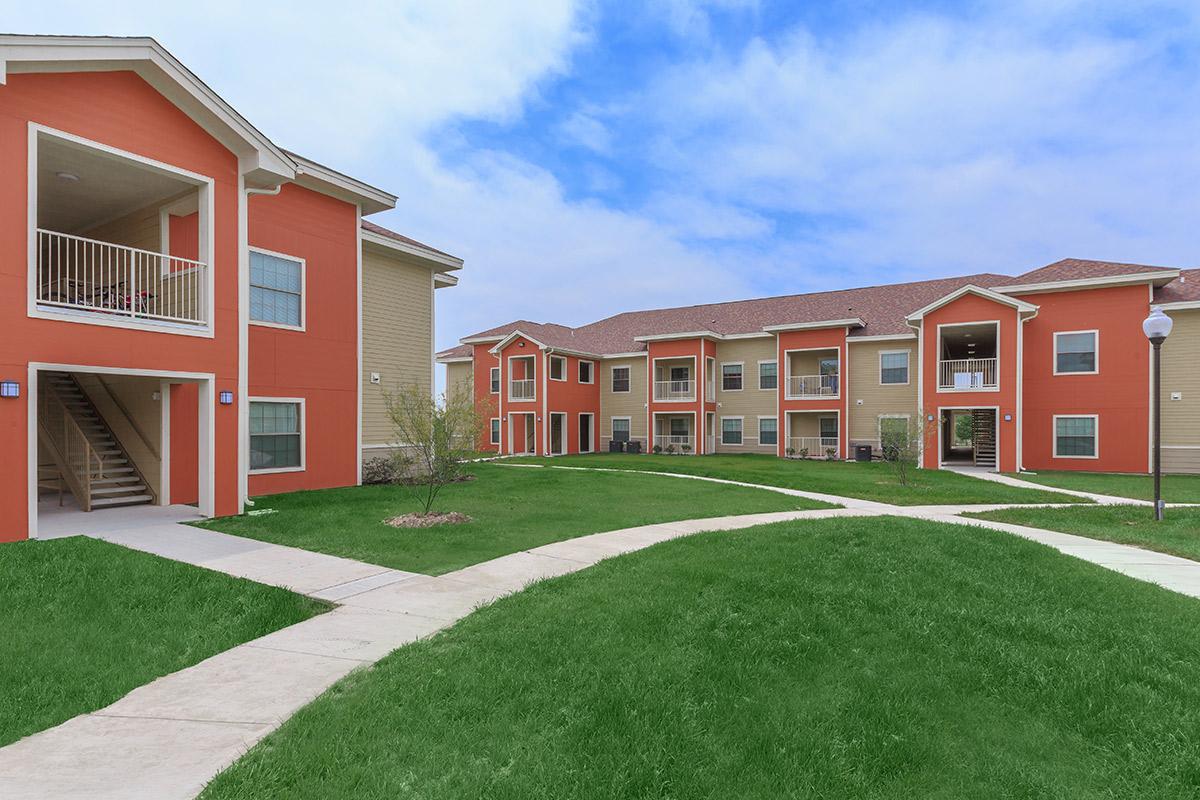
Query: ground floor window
{"x": 680, "y": 426}
{"x": 495, "y": 430}
{"x": 620, "y": 429}
{"x": 829, "y": 427}
{"x": 276, "y": 435}
{"x": 731, "y": 430}
{"x": 768, "y": 430}
{"x": 1075, "y": 437}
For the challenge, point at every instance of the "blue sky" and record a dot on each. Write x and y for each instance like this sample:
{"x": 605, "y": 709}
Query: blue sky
{"x": 587, "y": 158}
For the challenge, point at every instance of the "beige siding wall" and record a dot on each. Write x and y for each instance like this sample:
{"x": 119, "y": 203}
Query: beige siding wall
{"x": 1181, "y": 374}
{"x": 138, "y": 229}
{"x": 869, "y": 399}
{"x": 750, "y": 403}
{"x": 459, "y": 374}
{"x": 632, "y": 405}
{"x": 397, "y": 336}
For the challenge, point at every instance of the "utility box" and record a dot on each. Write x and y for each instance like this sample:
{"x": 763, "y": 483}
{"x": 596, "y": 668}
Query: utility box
{"x": 862, "y": 452}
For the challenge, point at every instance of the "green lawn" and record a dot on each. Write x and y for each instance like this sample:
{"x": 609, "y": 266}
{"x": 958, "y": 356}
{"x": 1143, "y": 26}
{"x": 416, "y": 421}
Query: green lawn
{"x": 865, "y": 658}
{"x": 867, "y": 481}
{"x": 1178, "y": 534}
{"x": 86, "y": 622}
{"x": 1176, "y": 488}
{"x": 513, "y": 509}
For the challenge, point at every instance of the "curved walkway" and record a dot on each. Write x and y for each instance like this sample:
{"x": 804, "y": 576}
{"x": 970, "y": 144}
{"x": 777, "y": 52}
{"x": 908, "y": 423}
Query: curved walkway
{"x": 169, "y": 738}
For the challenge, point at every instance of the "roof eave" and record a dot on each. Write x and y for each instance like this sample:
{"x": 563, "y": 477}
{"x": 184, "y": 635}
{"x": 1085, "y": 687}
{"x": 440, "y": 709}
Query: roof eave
{"x": 1021, "y": 306}
{"x": 1158, "y": 278}
{"x": 328, "y": 181}
{"x": 439, "y": 261}
{"x": 849, "y": 322}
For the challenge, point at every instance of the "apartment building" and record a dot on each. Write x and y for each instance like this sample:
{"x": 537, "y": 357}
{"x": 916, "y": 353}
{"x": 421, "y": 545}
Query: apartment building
{"x": 1049, "y": 369}
{"x": 191, "y": 314}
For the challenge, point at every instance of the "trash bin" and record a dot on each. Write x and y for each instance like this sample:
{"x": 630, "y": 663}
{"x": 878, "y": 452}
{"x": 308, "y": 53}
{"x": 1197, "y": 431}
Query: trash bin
{"x": 862, "y": 452}
{"x": 616, "y": 447}
{"x": 633, "y": 447}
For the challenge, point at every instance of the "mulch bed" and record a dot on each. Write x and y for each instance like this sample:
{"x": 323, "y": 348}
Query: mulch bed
{"x": 428, "y": 520}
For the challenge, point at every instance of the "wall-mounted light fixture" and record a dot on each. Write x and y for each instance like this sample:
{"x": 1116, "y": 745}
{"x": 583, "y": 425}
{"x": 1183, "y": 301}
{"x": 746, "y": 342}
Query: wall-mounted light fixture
{"x": 10, "y": 389}
{"x": 226, "y": 398}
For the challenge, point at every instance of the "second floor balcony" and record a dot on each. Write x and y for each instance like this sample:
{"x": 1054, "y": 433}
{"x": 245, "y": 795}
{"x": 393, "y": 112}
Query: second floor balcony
{"x": 967, "y": 374}
{"x": 812, "y": 386}
{"x": 677, "y": 390}
{"x": 522, "y": 389}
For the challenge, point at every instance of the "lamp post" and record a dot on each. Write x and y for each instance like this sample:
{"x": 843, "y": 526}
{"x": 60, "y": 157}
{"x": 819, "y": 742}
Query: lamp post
{"x": 1157, "y": 328}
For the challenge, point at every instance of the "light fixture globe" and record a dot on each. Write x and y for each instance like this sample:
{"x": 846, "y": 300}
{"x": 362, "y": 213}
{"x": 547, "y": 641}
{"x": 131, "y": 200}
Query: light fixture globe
{"x": 1158, "y": 325}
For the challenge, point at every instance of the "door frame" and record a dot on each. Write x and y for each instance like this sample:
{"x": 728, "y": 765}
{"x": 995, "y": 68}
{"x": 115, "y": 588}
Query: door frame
{"x": 563, "y": 433}
{"x": 941, "y": 430}
{"x": 591, "y": 431}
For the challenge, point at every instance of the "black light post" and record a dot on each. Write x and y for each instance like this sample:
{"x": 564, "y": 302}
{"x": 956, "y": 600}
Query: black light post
{"x": 1157, "y": 328}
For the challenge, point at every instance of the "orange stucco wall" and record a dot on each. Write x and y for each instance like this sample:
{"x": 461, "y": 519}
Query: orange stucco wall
{"x": 1119, "y": 394}
{"x": 488, "y": 404}
{"x": 320, "y": 363}
{"x": 820, "y": 338}
{"x": 574, "y": 398}
{"x": 966, "y": 309}
{"x": 100, "y": 107}
{"x": 694, "y": 349}
{"x": 521, "y": 346}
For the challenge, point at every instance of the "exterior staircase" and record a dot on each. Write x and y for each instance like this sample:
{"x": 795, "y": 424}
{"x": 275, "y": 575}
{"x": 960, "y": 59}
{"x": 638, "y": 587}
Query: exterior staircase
{"x": 88, "y": 458}
{"x": 983, "y": 436}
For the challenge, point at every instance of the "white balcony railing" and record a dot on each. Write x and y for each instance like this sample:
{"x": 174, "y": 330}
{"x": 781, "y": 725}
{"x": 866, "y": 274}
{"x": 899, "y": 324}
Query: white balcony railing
{"x": 967, "y": 374}
{"x": 111, "y": 279}
{"x": 800, "y": 386}
{"x": 520, "y": 389}
{"x": 674, "y": 390}
{"x": 675, "y": 444}
{"x": 813, "y": 446}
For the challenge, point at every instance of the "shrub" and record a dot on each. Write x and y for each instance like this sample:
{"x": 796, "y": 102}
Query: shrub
{"x": 379, "y": 470}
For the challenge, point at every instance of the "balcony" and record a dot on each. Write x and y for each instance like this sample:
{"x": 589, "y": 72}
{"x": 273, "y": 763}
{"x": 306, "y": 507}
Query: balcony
{"x": 805, "y": 387}
{"x": 967, "y": 375}
{"x": 674, "y": 391}
{"x": 521, "y": 389}
{"x": 75, "y": 273}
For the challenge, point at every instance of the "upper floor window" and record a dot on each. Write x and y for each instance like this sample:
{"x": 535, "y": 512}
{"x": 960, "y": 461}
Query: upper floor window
{"x": 558, "y": 368}
{"x": 585, "y": 371}
{"x": 495, "y": 380}
{"x": 893, "y": 367}
{"x": 768, "y": 374}
{"x": 731, "y": 377}
{"x": 620, "y": 380}
{"x": 1075, "y": 353}
{"x": 276, "y": 289}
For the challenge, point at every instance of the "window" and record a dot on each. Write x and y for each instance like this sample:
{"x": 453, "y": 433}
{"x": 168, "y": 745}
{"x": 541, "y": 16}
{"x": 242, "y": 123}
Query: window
{"x": 731, "y": 378}
{"x": 495, "y": 380}
{"x": 1075, "y": 352}
{"x": 276, "y": 290}
{"x": 495, "y": 430}
{"x": 1075, "y": 437}
{"x": 893, "y": 367}
{"x": 620, "y": 381}
{"x": 276, "y": 442}
{"x": 829, "y": 427}
{"x": 731, "y": 430}
{"x": 680, "y": 427}
{"x": 585, "y": 371}
{"x": 768, "y": 430}
{"x": 620, "y": 425}
{"x": 558, "y": 368}
{"x": 768, "y": 374}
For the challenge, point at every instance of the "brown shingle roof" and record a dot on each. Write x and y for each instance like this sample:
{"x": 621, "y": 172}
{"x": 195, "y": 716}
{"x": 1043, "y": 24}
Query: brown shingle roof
{"x": 1183, "y": 289}
{"x": 367, "y": 225}
{"x": 1070, "y": 269}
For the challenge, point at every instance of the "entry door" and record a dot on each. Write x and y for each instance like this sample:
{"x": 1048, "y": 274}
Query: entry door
{"x": 558, "y": 433}
{"x": 585, "y": 433}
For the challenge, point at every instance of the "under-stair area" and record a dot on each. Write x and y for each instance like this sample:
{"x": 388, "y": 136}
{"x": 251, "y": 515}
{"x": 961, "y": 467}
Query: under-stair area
{"x": 80, "y": 453}
{"x": 983, "y": 437}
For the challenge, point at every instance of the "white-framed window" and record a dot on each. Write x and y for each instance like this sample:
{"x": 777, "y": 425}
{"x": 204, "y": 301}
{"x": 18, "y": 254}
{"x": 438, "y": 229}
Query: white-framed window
{"x": 731, "y": 430}
{"x": 276, "y": 434}
{"x": 768, "y": 430}
{"x": 731, "y": 377}
{"x": 681, "y": 427}
{"x": 586, "y": 371}
{"x": 893, "y": 367}
{"x": 620, "y": 428}
{"x": 828, "y": 427}
{"x": 276, "y": 289}
{"x": 620, "y": 380}
{"x": 768, "y": 375}
{"x": 1076, "y": 352}
{"x": 1077, "y": 436}
{"x": 558, "y": 368}
{"x": 495, "y": 380}
{"x": 495, "y": 430}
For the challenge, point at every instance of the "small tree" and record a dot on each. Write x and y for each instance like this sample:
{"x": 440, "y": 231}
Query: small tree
{"x": 432, "y": 439}
{"x": 901, "y": 440}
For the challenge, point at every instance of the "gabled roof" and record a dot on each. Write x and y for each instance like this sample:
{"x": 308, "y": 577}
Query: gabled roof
{"x": 389, "y": 239}
{"x": 987, "y": 294}
{"x": 1069, "y": 269}
{"x": 1184, "y": 289}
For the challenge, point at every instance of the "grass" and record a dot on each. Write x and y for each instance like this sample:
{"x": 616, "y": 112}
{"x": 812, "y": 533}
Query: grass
{"x": 1175, "y": 488}
{"x": 1178, "y": 534}
{"x": 513, "y": 509}
{"x": 836, "y": 658}
{"x": 867, "y": 481}
{"x": 85, "y": 622}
